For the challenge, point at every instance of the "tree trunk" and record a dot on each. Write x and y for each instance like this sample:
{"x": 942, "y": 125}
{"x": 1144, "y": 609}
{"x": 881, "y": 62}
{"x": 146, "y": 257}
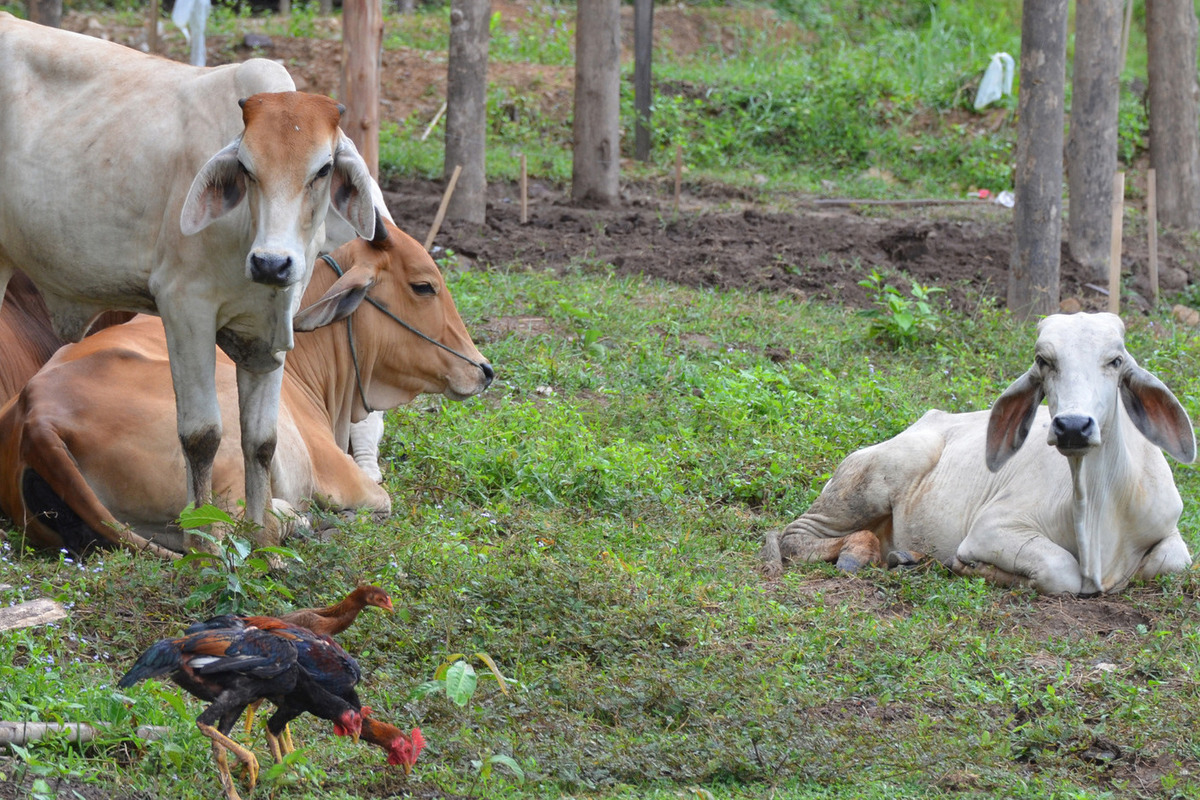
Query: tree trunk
{"x": 466, "y": 108}
{"x": 325, "y": 8}
{"x": 1092, "y": 144}
{"x": 595, "y": 167}
{"x": 362, "y": 54}
{"x": 1037, "y": 216}
{"x": 46, "y": 12}
{"x": 1174, "y": 137}
{"x": 406, "y": 6}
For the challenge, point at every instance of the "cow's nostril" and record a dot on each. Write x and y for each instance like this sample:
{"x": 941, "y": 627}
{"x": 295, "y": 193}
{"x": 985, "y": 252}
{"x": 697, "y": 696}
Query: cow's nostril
{"x": 488, "y": 373}
{"x": 271, "y": 269}
{"x": 1073, "y": 430}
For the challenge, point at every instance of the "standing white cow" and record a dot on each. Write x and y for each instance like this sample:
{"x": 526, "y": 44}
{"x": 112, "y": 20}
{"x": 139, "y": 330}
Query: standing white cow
{"x": 962, "y": 489}
{"x": 131, "y": 182}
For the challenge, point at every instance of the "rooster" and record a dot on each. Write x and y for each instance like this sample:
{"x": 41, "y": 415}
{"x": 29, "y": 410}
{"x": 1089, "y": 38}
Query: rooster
{"x": 334, "y": 619}
{"x": 230, "y": 664}
{"x": 330, "y": 621}
{"x": 402, "y": 748}
{"x": 325, "y": 682}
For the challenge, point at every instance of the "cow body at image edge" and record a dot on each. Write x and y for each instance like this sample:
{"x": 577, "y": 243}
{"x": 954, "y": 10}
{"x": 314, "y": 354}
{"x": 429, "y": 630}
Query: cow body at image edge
{"x": 131, "y": 182}
{"x": 1072, "y": 497}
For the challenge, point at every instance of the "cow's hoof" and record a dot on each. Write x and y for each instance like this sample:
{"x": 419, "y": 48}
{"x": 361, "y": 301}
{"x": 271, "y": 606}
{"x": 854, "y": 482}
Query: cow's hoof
{"x": 901, "y": 558}
{"x": 848, "y": 562}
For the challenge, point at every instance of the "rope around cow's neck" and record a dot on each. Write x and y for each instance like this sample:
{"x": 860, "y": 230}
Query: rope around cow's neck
{"x": 328, "y": 259}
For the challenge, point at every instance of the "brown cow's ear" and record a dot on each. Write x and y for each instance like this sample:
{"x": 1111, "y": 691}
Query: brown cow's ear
{"x": 338, "y": 302}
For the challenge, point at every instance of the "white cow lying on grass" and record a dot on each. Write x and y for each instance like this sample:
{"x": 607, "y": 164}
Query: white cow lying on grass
{"x": 962, "y": 489}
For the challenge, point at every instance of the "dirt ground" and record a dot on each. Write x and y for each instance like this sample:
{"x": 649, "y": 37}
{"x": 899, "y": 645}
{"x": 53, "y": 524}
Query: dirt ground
{"x": 721, "y": 236}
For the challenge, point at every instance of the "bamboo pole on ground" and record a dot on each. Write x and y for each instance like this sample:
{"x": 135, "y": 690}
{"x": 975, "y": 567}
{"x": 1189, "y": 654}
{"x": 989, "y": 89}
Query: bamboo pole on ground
{"x": 31, "y": 613}
{"x": 524, "y": 191}
{"x": 1114, "y": 264}
{"x": 441, "y": 212}
{"x": 433, "y": 122}
{"x": 22, "y": 733}
{"x": 1152, "y": 229}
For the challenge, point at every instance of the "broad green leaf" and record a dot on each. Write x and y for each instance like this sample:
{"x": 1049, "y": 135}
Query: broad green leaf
{"x": 203, "y": 516}
{"x": 460, "y": 682}
{"x": 510, "y": 763}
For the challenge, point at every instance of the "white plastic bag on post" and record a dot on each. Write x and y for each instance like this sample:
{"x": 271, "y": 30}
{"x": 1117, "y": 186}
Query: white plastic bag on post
{"x": 190, "y": 16}
{"x": 997, "y": 81}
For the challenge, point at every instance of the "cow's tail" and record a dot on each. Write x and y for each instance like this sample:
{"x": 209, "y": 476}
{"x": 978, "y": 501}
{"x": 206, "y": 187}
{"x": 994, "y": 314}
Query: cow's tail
{"x": 772, "y": 558}
{"x": 59, "y": 503}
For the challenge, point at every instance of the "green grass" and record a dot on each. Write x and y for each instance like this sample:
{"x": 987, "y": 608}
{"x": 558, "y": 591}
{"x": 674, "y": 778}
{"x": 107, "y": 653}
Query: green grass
{"x": 591, "y": 522}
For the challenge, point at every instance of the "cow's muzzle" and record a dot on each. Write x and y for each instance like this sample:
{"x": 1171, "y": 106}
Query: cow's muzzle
{"x": 273, "y": 269}
{"x": 1072, "y": 433}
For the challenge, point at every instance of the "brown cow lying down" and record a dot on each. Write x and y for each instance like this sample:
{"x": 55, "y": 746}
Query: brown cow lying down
{"x": 1085, "y": 504}
{"x": 27, "y": 338}
{"x": 90, "y": 455}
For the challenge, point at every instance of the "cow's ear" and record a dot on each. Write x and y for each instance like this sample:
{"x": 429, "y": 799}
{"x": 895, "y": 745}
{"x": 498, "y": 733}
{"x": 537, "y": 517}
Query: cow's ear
{"x": 216, "y": 190}
{"x": 1157, "y": 414}
{"x": 350, "y": 190}
{"x": 338, "y": 302}
{"x": 1012, "y": 417}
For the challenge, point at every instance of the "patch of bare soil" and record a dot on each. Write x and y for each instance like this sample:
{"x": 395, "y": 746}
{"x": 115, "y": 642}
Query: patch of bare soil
{"x": 720, "y": 239}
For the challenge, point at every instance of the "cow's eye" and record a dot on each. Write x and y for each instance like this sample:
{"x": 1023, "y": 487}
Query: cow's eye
{"x": 1041, "y": 362}
{"x": 1116, "y": 362}
{"x": 325, "y": 170}
{"x": 423, "y": 288}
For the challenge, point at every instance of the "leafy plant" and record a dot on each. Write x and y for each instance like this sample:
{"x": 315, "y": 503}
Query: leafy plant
{"x": 232, "y": 572}
{"x": 458, "y": 679}
{"x": 898, "y": 319}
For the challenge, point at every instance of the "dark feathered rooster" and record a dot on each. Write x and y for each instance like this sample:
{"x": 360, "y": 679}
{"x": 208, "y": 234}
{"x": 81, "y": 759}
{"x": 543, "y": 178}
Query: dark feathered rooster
{"x": 325, "y": 682}
{"x": 231, "y": 662}
{"x": 330, "y": 621}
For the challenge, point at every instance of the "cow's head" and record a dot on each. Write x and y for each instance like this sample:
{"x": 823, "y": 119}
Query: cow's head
{"x": 398, "y": 359}
{"x": 288, "y": 166}
{"x": 1081, "y": 367}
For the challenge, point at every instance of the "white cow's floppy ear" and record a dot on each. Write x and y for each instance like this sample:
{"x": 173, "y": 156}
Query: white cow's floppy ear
{"x": 1012, "y": 417}
{"x": 338, "y": 302}
{"x": 216, "y": 190}
{"x": 350, "y": 189}
{"x": 1157, "y": 414}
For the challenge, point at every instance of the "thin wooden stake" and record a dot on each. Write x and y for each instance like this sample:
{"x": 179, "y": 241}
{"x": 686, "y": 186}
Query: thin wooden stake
{"x": 1114, "y": 263}
{"x": 433, "y": 122}
{"x": 152, "y": 27}
{"x": 441, "y": 212}
{"x": 1152, "y": 225}
{"x": 1126, "y": 25}
{"x": 678, "y": 174}
{"x": 524, "y": 192}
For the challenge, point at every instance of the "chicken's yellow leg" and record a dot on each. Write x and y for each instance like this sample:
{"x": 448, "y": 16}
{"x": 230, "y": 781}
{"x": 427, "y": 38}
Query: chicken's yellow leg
{"x": 243, "y": 755}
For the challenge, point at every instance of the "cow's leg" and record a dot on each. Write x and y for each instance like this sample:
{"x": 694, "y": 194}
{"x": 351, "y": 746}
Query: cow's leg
{"x": 191, "y": 346}
{"x": 1019, "y": 557}
{"x": 1168, "y": 556}
{"x": 364, "y": 444}
{"x": 258, "y": 410}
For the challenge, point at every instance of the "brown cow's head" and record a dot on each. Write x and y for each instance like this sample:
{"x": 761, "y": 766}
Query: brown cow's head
{"x": 396, "y": 363}
{"x": 288, "y": 165}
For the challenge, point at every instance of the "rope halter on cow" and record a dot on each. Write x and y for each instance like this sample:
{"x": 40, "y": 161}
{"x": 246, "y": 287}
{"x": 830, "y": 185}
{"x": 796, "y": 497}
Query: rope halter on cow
{"x": 354, "y": 353}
